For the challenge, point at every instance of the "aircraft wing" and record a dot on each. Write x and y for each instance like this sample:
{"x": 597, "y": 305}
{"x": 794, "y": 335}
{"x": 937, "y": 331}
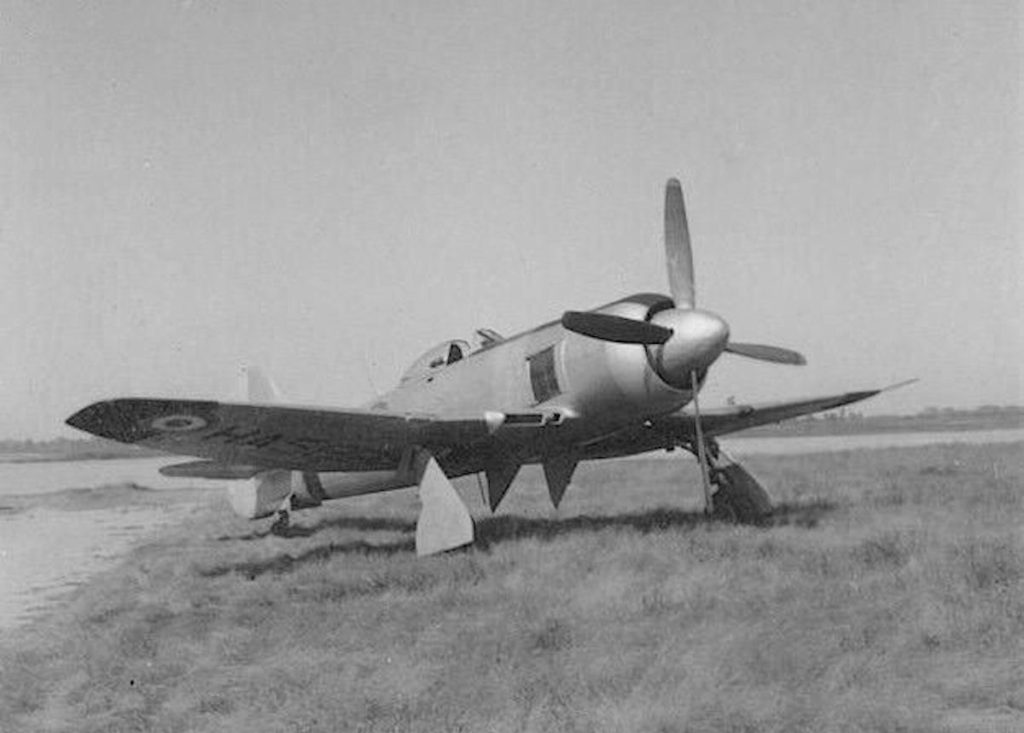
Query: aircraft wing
{"x": 734, "y": 418}
{"x": 679, "y": 427}
{"x": 296, "y": 438}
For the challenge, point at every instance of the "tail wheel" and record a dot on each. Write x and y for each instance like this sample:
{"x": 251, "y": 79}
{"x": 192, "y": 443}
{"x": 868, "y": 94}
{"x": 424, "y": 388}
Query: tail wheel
{"x": 281, "y": 524}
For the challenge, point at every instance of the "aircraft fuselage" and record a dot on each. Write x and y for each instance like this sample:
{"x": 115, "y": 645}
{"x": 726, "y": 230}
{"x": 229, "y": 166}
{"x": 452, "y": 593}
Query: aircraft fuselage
{"x": 587, "y": 387}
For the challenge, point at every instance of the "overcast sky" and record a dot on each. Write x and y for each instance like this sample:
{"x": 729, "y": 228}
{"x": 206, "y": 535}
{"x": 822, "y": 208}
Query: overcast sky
{"x": 328, "y": 188}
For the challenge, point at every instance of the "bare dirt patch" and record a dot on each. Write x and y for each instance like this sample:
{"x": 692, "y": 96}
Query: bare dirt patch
{"x": 52, "y": 543}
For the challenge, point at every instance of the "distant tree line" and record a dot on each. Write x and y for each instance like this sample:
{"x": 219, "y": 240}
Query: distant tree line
{"x": 844, "y": 413}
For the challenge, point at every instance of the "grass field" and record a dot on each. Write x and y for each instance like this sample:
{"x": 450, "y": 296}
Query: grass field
{"x": 887, "y": 595}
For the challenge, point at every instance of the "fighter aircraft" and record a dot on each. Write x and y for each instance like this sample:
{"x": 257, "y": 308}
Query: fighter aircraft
{"x": 612, "y": 381}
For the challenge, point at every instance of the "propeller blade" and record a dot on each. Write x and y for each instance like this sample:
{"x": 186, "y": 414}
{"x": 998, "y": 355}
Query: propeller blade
{"x": 763, "y": 352}
{"x": 678, "y": 255}
{"x": 615, "y": 328}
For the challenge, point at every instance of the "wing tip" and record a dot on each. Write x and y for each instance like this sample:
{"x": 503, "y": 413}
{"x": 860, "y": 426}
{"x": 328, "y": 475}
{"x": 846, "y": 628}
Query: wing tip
{"x": 900, "y": 385}
{"x": 867, "y": 393}
{"x": 130, "y": 420}
{"x": 91, "y": 418}
{"x": 851, "y": 397}
{"x": 106, "y": 419}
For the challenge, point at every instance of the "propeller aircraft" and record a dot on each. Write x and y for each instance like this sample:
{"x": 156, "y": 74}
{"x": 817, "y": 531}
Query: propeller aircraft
{"x": 603, "y": 383}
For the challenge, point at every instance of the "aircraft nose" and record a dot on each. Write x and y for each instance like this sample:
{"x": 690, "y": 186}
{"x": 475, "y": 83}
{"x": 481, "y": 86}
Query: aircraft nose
{"x": 698, "y": 337}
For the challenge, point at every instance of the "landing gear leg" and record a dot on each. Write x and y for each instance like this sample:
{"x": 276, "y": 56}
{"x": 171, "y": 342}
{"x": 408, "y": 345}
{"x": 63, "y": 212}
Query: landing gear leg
{"x": 738, "y": 496}
{"x": 281, "y": 524}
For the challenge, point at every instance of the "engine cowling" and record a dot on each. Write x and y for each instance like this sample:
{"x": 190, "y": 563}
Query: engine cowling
{"x": 618, "y": 379}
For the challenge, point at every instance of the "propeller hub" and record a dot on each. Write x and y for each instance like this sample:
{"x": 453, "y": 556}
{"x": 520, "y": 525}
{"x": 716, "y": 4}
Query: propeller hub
{"x": 698, "y": 338}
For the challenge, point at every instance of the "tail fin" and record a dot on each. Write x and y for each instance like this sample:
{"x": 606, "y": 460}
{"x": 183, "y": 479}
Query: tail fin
{"x": 267, "y": 491}
{"x": 256, "y": 386}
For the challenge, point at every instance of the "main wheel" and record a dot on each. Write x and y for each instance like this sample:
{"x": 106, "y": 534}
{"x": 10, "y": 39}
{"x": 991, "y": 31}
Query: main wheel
{"x": 740, "y": 498}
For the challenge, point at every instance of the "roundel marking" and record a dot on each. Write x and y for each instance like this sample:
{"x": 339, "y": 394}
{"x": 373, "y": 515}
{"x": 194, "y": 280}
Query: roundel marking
{"x": 178, "y": 423}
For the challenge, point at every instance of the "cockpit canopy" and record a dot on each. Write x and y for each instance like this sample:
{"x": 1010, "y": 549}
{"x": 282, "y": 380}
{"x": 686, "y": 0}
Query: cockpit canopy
{"x": 449, "y": 352}
{"x": 437, "y": 358}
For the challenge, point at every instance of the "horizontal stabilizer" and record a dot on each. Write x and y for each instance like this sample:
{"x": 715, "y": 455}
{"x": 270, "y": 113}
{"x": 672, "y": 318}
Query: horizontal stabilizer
{"x": 210, "y": 470}
{"x": 266, "y": 493}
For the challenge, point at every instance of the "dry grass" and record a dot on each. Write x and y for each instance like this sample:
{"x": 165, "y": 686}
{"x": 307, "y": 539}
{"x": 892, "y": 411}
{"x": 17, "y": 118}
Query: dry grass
{"x": 886, "y": 596}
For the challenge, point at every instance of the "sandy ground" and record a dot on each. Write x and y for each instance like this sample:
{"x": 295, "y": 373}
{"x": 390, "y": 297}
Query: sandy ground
{"x": 51, "y": 544}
